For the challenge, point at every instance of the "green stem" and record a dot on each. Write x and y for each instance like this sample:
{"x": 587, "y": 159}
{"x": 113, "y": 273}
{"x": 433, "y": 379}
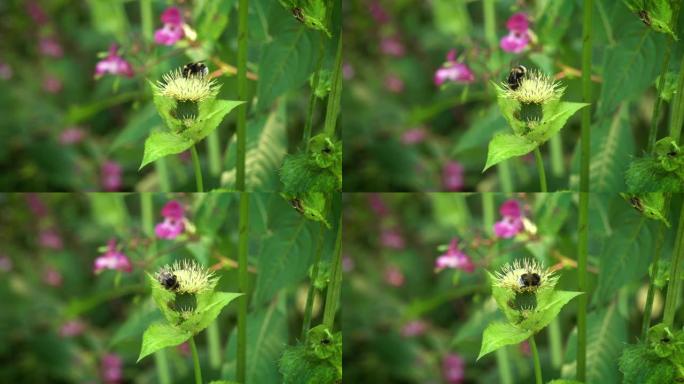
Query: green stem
{"x": 333, "y": 295}
{"x": 163, "y": 172}
{"x": 505, "y": 177}
{"x": 243, "y": 242}
{"x": 489, "y": 12}
{"x": 146, "y": 19}
{"x": 198, "y": 169}
{"x": 214, "y": 153}
{"x": 648, "y": 308}
{"x": 195, "y": 361}
{"x": 555, "y": 343}
{"x": 537, "y": 364}
{"x": 214, "y": 345}
{"x": 583, "y": 226}
{"x": 162, "y": 363}
{"x": 653, "y": 132}
{"x": 677, "y": 115}
{"x": 333, "y": 108}
{"x": 242, "y": 95}
{"x": 308, "y": 308}
{"x": 540, "y": 169}
{"x": 675, "y": 282}
{"x": 312, "y": 99}
{"x": 556, "y": 150}
{"x": 503, "y": 365}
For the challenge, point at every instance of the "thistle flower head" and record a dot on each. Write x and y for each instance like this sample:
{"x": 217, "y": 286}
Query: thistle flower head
{"x": 186, "y": 277}
{"x": 191, "y": 87}
{"x": 535, "y": 88}
{"x": 525, "y": 276}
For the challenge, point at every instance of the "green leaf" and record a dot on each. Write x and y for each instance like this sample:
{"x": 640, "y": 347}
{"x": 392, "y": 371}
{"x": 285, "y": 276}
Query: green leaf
{"x": 160, "y": 335}
{"x": 499, "y": 334}
{"x": 612, "y": 147}
{"x": 211, "y": 113}
{"x": 641, "y": 366}
{"x": 504, "y": 146}
{"x": 163, "y": 143}
{"x": 562, "y": 381}
{"x": 135, "y": 324}
{"x": 656, "y": 14}
{"x": 209, "y": 305}
{"x": 487, "y": 123}
{"x": 137, "y": 127}
{"x": 548, "y": 307}
{"x": 286, "y": 63}
{"x": 311, "y": 13}
{"x": 554, "y": 119}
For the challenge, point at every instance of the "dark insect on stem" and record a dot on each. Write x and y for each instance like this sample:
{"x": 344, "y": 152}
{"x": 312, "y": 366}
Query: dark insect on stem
{"x": 516, "y": 76}
{"x": 643, "y": 15}
{"x": 298, "y": 14}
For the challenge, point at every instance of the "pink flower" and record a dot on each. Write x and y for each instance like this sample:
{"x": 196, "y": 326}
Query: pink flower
{"x": 185, "y": 156}
{"x": 49, "y": 238}
{"x": 454, "y": 258}
{"x": 113, "y": 64}
{"x": 5, "y": 71}
{"x": 174, "y": 221}
{"x": 112, "y": 259}
{"x": 36, "y": 205}
{"x": 394, "y": 276}
{"x": 347, "y": 264}
{"x": 172, "y": 31}
{"x": 37, "y": 13}
{"x": 52, "y": 84}
{"x": 394, "y": 83}
{"x": 52, "y": 277}
{"x": 110, "y": 176}
{"x": 5, "y": 264}
{"x": 183, "y": 348}
{"x": 110, "y": 369}
{"x": 392, "y": 46}
{"x": 378, "y": 13}
{"x": 452, "y": 176}
{"x": 453, "y": 368}
{"x": 392, "y": 238}
{"x": 413, "y": 136}
{"x": 524, "y": 348}
{"x": 511, "y": 223}
{"x": 518, "y": 34}
{"x": 414, "y": 328}
{"x": 71, "y": 135}
{"x": 378, "y": 205}
{"x": 453, "y": 71}
{"x": 348, "y": 71}
{"x": 49, "y": 46}
{"x": 72, "y": 328}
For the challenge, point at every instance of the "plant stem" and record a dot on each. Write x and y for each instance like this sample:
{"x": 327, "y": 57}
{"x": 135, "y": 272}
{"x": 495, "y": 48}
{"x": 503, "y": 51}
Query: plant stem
{"x": 195, "y": 361}
{"x": 556, "y": 150}
{"x": 312, "y": 100}
{"x": 198, "y": 169}
{"x": 505, "y": 179}
{"x": 243, "y": 243}
{"x": 214, "y": 153}
{"x": 146, "y": 19}
{"x": 503, "y": 366}
{"x": 555, "y": 343}
{"x": 242, "y": 95}
{"x": 333, "y": 108}
{"x": 648, "y": 308}
{"x": 677, "y": 114}
{"x": 674, "y": 284}
{"x": 162, "y": 364}
{"x": 335, "y": 285}
{"x": 583, "y": 226}
{"x": 162, "y": 171}
{"x": 653, "y": 132}
{"x": 537, "y": 364}
{"x": 214, "y": 345}
{"x": 308, "y": 308}
{"x": 540, "y": 169}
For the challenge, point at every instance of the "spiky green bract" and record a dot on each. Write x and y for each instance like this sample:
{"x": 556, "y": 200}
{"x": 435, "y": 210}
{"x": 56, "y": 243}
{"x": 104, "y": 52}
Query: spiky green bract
{"x": 188, "y": 308}
{"x": 193, "y": 88}
{"x": 310, "y": 177}
{"x": 528, "y": 309}
{"x": 535, "y": 88}
{"x": 660, "y": 359}
{"x": 319, "y": 361}
{"x": 311, "y": 13}
{"x": 651, "y": 205}
{"x": 663, "y": 171}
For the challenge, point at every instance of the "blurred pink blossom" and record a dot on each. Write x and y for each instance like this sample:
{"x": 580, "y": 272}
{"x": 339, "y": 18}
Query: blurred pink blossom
{"x": 394, "y": 276}
{"x": 36, "y": 205}
{"x": 172, "y": 31}
{"x": 414, "y": 328}
{"x": 378, "y": 13}
{"x": 174, "y": 221}
{"x": 72, "y": 328}
{"x": 414, "y": 136}
{"x": 377, "y": 205}
{"x": 52, "y": 277}
{"x": 111, "y": 369}
{"x": 184, "y": 348}
{"x": 49, "y": 46}
{"x": 518, "y": 34}
{"x": 348, "y": 264}
{"x": 50, "y": 238}
{"x": 112, "y": 259}
{"x": 113, "y": 64}
{"x": 524, "y": 348}
{"x": 453, "y": 368}
{"x": 5, "y": 71}
{"x": 52, "y": 84}
{"x": 348, "y": 71}
{"x": 392, "y": 46}
{"x": 111, "y": 176}
{"x": 392, "y": 238}
{"x": 394, "y": 83}
{"x": 452, "y": 176}
{"x": 72, "y": 135}
{"x": 36, "y": 12}
{"x": 454, "y": 258}
{"x": 5, "y": 263}
{"x": 453, "y": 71}
{"x": 185, "y": 156}
{"x": 511, "y": 223}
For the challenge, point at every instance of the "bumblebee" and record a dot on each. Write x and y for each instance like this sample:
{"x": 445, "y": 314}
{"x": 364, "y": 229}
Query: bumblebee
{"x": 515, "y": 77}
{"x": 168, "y": 280}
{"x": 530, "y": 280}
{"x": 195, "y": 69}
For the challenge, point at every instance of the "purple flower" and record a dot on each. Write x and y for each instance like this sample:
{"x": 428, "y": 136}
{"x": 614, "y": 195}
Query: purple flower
{"x": 113, "y": 64}
{"x": 110, "y": 176}
{"x": 36, "y": 205}
{"x": 378, "y": 205}
{"x": 37, "y": 13}
{"x": 452, "y": 176}
{"x": 453, "y": 71}
{"x": 72, "y": 135}
{"x": 52, "y": 277}
{"x": 172, "y": 31}
{"x": 110, "y": 369}
{"x": 394, "y": 83}
{"x": 392, "y": 238}
{"x": 72, "y": 328}
{"x": 112, "y": 259}
{"x": 414, "y": 328}
{"x": 518, "y": 34}
{"x": 174, "y": 221}
{"x": 5, "y": 71}
{"x": 394, "y": 276}
{"x": 453, "y": 368}
{"x": 348, "y": 71}
{"x": 49, "y": 46}
{"x": 392, "y": 46}
{"x": 50, "y": 238}
{"x": 52, "y": 84}
{"x": 378, "y": 13}
{"x": 512, "y": 220}
{"x": 414, "y": 136}
{"x": 5, "y": 263}
{"x": 454, "y": 258}
{"x": 347, "y": 264}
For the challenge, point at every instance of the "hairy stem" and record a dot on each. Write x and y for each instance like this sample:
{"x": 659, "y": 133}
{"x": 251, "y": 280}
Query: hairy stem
{"x": 674, "y": 285}
{"x": 333, "y": 108}
{"x": 242, "y": 95}
{"x": 198, "y": 169}
{"x": 653, "y": 132}
{"x": 334, "y": 287}
{"x": 648, "y": 308}
{"x": 537, "y": 363}
{"x": 308, "y": 308}
{"x": 312, "y": 99}
{"x": 677, "y": 115}
{"x": 540, "y": 169}
{"x": 243, "y": 228}
{"x": 195, "y": 361}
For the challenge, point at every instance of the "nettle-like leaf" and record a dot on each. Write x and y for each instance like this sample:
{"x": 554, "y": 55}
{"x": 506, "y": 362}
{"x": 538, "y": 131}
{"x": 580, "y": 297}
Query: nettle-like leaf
{"x": 311, "y": 13}
{"x": 319, "y": 360}
{"x": 504, "y": 146}
{"x": 663, "y": 171}
{"x": 499, "y": 334}
{"x": 651, "y": 205}
{"x": 656, "y": 14}
{"x": 659, "y": 360}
